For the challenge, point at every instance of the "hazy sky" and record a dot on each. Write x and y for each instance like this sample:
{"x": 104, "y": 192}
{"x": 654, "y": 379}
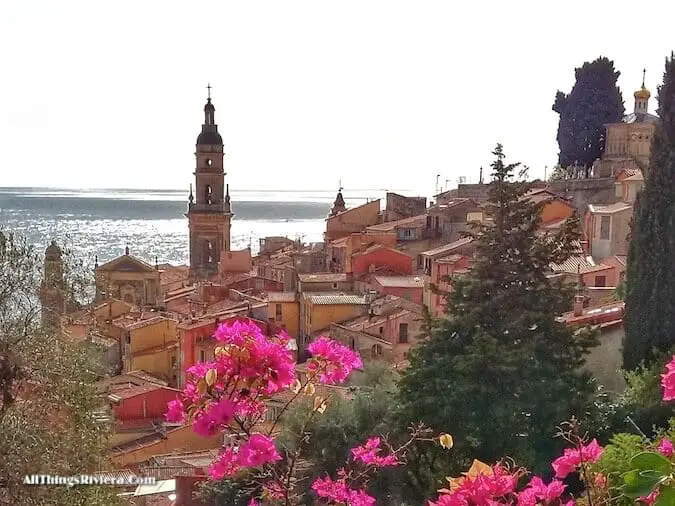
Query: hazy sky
{"x": 382, "y": 94}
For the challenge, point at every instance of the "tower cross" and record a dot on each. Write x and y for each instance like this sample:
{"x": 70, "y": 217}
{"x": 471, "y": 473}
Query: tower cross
{"x": 644, "y": 71}
{"x": 208, "y": 87}
{"x": 340, "y": 185}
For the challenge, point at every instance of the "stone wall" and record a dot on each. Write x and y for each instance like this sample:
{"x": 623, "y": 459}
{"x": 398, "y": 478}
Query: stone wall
{"x": 581, "y": 192}
{"x": 399, "y": 206}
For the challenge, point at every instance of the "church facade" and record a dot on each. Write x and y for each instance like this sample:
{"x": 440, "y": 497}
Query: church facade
{"x": 628, "y": 143}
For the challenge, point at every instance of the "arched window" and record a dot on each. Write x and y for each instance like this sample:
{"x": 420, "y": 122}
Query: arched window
{"x": 207, "y": 194}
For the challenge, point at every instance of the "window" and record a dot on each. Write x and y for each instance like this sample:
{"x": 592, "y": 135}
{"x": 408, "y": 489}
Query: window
{"x": 407, "y": 233}
{"x": 381, "y": 330}
{"x": 604, "y": 227}
{"x": 376, "y": 350}
{"x": 208, "y": 162}
{"x": 202, "y": 356}
{"x": 352, "y": 343}
{"x": 600, "y": 281}
{"x": 128, "y": 338}
{"x": 174, "y": 362}
{"x": 402, "y": 332}
{"x": 334, "y": 286}
{"x": 277, "y": 312}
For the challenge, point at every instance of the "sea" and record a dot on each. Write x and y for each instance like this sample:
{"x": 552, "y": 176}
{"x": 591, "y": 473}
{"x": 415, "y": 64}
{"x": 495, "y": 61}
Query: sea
{"x": 101, "y": 223}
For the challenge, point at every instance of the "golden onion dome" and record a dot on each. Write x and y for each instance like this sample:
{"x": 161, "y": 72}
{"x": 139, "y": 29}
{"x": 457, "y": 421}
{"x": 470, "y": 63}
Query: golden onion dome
{"x": 642, "y": 93}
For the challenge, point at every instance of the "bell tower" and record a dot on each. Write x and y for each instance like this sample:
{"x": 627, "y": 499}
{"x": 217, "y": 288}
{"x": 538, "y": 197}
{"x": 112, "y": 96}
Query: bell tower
{"x": 209, "y": 213}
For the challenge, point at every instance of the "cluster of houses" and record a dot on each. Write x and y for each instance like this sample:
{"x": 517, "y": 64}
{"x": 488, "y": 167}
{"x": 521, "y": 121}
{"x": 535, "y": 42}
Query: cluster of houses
{"x": 369, "y": 284}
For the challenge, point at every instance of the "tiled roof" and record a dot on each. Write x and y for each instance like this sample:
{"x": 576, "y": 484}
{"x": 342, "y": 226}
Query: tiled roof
{"x": 126, "y": 323}
{"x": 412, "y": 222}
{"x": 446, "y": 249}
{"x": 172, "y": 273}
{"x": 451, "y": 203}
{"x": 640, "y": 118}
{"x": 609, "y": 208}
{"x": 596, "y": 315}
{"x": 129, "y": 390}
{"x": 281, "y": 297}
{"x": 579, "y": 264}
{"x": 450, "y": 259}
{"x": 335, "y": 299}
{"x": 400, "y": 281}
{"x": 323, "y": 277}
{"x": 340, "y": 243}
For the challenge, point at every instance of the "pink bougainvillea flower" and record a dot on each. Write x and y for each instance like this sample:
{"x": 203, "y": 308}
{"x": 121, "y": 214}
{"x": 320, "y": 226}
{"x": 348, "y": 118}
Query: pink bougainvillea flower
{"x": 258, "y": 450}
{"x": 338, "y": 492}
{"x": 665, "y": 447}
{"x": 369, "y": 454}
{"x": 332, "y": 361}
{"x": 253, "y": 502}
{"x": 651, "y": 498}
{"x": 600, "y": 480}
{"x": 572, "y": 457}
{"x": 537, "y": 491}
{"x": 176, "y": 412}
{"x": 668, "y": 381}
{"x": 224, "y": 465}
{"x": 214, "y": 418}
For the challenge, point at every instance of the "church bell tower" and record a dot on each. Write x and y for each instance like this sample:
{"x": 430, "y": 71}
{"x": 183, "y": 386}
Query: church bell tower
{"x": 209, "y": 213}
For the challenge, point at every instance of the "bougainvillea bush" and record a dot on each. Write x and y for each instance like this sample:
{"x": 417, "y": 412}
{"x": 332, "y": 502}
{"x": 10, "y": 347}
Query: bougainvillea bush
{"x": 232, "y": 395}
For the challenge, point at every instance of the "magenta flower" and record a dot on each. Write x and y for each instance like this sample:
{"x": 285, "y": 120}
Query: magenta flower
{"x": 665, "y": 447}
{"x": 258, "y": 450}
{"x": 369, "y": 454}
{"x": 224, "y": 465}
{"x": 537, "y": 491}
{"x": 668, "y": 381}
{"x": 176, "y": 412}
{"x": 216, "y": 417}
{"x": 332, "y": 361}
{"x": 572, "y": 457}
{"x": 339, "y": 492}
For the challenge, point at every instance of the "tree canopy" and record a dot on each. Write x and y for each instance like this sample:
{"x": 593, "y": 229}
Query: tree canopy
{"x": 594, "y": 101}
{"x": 499, "y": 372}
{"x": 47, "y": 397}
{"x": 650, "y": 298}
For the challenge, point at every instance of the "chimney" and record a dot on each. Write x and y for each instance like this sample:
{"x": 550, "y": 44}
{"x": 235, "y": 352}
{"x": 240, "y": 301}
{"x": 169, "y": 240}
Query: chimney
{"x": 578, "y": 307}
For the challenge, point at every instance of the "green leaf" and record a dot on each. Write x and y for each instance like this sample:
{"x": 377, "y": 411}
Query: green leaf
{"x": 651, "y": 461}
{"x": 666, "y": 497}
{"x": 641, "y": 483}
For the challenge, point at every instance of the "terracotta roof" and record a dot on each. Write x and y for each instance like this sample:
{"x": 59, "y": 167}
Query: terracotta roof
{"x": 635, "y": 177}
{"x": 609, "y": 208}
{"x": 400, "y": 281}
{"x": 172, "y": 273}
{"x": 323, "y": 277}
{"x": 374, "y": 247}
{"x": 450, "y": 259}
{"x": 126, "y": 323}
{"x": 621, "y": 259}
{"x": 129, "y": 390}
{"x": 554, "y": 224}
{"x": 340, "y": 243}
{"x": 579, "y": 264}
{"x": 451, "y": 203}
{"x": 335, "y": 299}
{"x": 446, "y": 249}
{"x": 412, "y": 222}
{"x": 281, "y": 297}
{"x": 596, "y": 315}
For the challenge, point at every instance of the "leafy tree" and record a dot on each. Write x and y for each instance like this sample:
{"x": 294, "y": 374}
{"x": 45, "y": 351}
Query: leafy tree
{"x": 594, "y": 101}
{"x": 47, "y": 398}
{"x": 650, "y": 298}
{"x": 347, "y": 422}
{"x": 500, "y": 371}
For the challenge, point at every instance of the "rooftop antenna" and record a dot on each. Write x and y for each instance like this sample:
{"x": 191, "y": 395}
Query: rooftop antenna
{"x": 480, "y": 176}
{"x": 437, "y": 177}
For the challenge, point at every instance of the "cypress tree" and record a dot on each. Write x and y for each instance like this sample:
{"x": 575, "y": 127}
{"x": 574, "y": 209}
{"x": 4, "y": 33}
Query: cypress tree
{"x": 500, "y": 371}
{"x": 594, "y": 101}
{"x": 650, "y": 274}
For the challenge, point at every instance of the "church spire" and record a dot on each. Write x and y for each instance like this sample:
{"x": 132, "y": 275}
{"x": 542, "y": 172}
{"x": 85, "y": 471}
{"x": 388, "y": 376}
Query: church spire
{"x": 339, "y": 204}
{"x": 642, "y": 97}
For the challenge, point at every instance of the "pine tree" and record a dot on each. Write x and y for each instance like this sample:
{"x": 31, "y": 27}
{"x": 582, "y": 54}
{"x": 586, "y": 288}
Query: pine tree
{"x": 650, "y": 298}
{"x": 499, "y": 372}
{"x": 594, "y": 101}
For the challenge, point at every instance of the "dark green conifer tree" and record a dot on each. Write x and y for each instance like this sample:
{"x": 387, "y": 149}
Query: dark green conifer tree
{"x": 650, "y": 297}
{"x": 594, "y": 101}
{"x": 500, "y": 371}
